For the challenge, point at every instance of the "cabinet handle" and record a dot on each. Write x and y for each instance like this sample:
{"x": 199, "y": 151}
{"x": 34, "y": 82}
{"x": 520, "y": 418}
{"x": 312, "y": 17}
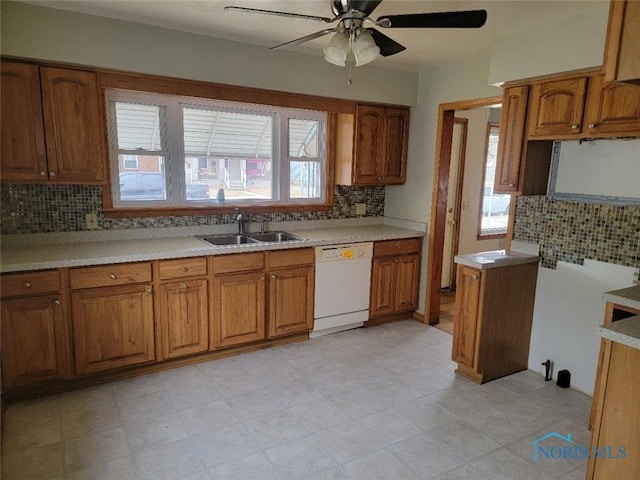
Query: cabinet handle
{"x": 592, "y": 125}
{"x": 149, "y": 291}
{"x": 56, "y": 301}
{"x": 474, "y": 277}
{"x": 52, "y": 174}
{"x": 575, "y": 126}
{"x": 27, "y": 284}
{"x": 185, "y": 269}
{"x": 262, "y": 278}
{"x": 185, "y": 286}
{"x": 273, "y": 275}
{"x": 512, "y": 184}
{"x": 43, "y": 174}
{"x": 113, "y": 276}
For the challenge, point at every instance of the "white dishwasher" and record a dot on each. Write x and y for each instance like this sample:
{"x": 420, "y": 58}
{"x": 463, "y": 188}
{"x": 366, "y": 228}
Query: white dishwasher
{"x": 343, "y": 278}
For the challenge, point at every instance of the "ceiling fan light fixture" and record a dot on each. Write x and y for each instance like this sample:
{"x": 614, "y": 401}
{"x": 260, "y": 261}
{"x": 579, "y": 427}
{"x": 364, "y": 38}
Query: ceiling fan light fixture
{"x": 365, "y": 49}
{"x": 337, "y": 50}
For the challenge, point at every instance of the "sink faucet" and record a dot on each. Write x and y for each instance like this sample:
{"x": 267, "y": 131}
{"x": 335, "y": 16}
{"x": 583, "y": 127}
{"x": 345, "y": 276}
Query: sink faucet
{"x": 240, "y": 219}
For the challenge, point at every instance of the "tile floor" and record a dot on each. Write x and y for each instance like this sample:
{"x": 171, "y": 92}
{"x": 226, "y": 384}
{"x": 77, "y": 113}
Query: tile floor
{"x": 377, "y": 403}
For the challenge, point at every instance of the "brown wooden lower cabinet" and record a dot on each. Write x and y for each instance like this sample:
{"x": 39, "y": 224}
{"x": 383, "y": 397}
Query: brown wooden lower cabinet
{"x": 113, "y": 327}
{"x": 492, "y": 321}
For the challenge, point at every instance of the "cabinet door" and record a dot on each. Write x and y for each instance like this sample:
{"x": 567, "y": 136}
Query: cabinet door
{"x": 113, "y": 327}
{"x": 556, "y": 107}
{"x": 75, "y": 135}
{"x": 183, "y": 318}
{"x": 291, "y": 292}
{"x": 238, "y": 309}
{"x": 397, "y": 138}
{"x": 407, "y": 278}
{"x": 612, "y": 108}
{"x": 383, "y": 293}
{"x": 23, "y": 149}
{"x": 512, "y": 121}
{"x": 621, "y": 59}
{"x": 465, "y": 324}
{"x": 369, "y": 145}
{"x": 34, "y": 341}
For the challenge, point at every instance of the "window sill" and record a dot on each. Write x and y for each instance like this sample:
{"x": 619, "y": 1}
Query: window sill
{"x": 127, "y": 212}
{"x": 491, "y": 236}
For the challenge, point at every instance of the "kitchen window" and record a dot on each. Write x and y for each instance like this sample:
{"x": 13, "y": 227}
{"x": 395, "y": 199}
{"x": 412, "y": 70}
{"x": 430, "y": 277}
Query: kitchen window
{"x": 171, "y": 151}
{"x": 494, "y": 215}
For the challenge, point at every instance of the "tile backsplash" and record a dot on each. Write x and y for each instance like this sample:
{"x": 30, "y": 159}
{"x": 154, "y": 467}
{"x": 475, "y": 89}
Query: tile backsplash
{"x": 573, "y": 231}
{"x": 36, "y": 208}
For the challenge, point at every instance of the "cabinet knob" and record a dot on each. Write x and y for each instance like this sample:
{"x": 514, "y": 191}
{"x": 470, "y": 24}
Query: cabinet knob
{"x": 113, "y": 276}
{"x": 262, "y": 278}
{"x": 397, "y": 260}
{"x": 27, "y": 285}
{"x": 52, "y": 174}
{"x": 185, "y": 286}
{"x": 43, "y": 174}
{"x": 592, "y": 125}
{"x": 149, "y": 291}
{"x": 474, "y": 277}
{"x": 575, "y": 126}
{"x": 512, "y": 184}
{"x": 273, "y": 275}
{"x": 185, "y": 269}
{"x": 56, "y": 301}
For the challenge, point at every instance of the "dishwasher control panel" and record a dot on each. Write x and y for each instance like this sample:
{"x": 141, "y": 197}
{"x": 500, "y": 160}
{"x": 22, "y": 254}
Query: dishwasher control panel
{"x": 335, "y": 253}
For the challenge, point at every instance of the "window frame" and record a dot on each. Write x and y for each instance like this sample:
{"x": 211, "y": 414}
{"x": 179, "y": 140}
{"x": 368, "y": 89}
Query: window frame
{"x": 491, "y": 126}
{"x": 111, "y": 80}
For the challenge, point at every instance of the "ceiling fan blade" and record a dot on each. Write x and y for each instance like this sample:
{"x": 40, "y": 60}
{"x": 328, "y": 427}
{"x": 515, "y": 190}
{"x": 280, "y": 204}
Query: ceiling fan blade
{"x": 279, "y": 14}
{"x": 306, "y": 38}
{"x": 462, "y": 19}
{"x": 364, "y": 6}
{"x": 387, "y": 45}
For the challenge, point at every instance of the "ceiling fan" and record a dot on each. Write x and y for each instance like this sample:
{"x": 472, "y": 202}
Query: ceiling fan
{"x": 355, "y": 39}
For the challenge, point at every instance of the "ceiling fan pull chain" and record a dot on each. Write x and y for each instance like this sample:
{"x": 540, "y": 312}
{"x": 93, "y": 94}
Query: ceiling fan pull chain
{"x": 349, "y": 82}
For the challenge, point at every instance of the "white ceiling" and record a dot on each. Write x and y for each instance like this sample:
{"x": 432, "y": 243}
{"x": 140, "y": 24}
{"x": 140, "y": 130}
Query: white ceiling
{"x": 424, "y": 46}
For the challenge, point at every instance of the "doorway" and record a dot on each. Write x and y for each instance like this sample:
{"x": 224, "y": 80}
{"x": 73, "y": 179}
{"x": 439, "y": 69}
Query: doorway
{"x": 439, "y": 199}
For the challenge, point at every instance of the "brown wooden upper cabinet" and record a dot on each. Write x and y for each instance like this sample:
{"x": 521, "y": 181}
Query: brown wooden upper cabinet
{"x": 56, "y": 132}
{"x": 583, "y": 107}
{"x": 622, "y": 50}
{"x": 372, "y": 146}
{"x": 510, "y": 143}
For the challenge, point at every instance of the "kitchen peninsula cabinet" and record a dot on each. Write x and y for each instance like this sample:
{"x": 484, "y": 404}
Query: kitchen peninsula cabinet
{"x": 372, "y": 146}
{"x": 395, "y": 276}
{"x": 622, "y": 57}
{"x": 35, "y": 342}
{"x": 56, "y": 133}
{"x": 238, "y": 299}
{"x": 112, "y": 316}
{"x": 183, "y": 313}
{"x": 291, "y": 291}
{"x": 492, "y": 320}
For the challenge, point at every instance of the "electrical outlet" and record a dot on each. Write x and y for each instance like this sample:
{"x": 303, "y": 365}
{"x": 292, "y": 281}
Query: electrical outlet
{"x": 91, "y": 220}
{"x": 361, "y": 208}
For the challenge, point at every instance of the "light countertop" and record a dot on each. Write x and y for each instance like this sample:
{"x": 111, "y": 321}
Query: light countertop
{"x": 626, "y": 331}
{"x": 47, "y": 256}
{"x": 628, "y": 297}
{"x": 495, "y": 259}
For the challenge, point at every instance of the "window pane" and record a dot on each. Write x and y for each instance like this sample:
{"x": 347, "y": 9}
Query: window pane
{"x": 138, "y": 126}
{"x": 147, "y": 183}
{"x": 303, "y": 138}
{"x": 495, "y": 207}
{"x": 238, "y": 149}
{"x": 305, "y": 180}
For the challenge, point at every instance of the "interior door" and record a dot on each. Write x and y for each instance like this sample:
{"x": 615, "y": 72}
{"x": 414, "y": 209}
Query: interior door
{"x": 451, "y": 232}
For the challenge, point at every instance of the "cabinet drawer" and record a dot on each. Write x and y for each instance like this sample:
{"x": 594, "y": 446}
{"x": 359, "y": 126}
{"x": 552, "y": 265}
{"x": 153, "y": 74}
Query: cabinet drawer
{"x": 104, "y": 276}
{"x": 288, "y": 258}
{"x": 182, "y": 267}
{"x": 396, "y": 247}
{"x": 21, "y": 284}
{"x": 237, "y": 262}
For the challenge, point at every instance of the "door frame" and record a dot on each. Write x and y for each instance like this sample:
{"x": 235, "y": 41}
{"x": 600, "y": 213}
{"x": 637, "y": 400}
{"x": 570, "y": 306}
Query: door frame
{"x": 441, "y": 168}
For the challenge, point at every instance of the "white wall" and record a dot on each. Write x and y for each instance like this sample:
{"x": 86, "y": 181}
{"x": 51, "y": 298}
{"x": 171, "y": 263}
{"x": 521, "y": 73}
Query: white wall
{"x": 472, "y": 186}
{"x": 568, "y": 310}
{"x": 48, "y": 34}
{"x": 565, "y": 45}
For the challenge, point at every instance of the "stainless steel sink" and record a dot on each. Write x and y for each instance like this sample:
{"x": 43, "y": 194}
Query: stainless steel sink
{"x": 236, "y": 239}
{"x": 275, "y": 237}
{"x": 228, "y": 239}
